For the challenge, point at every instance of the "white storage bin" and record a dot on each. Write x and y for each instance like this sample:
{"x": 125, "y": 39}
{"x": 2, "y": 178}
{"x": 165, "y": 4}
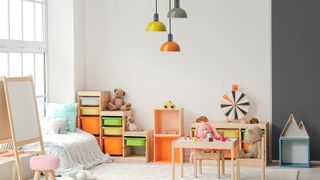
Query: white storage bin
{"x": 90, "y": 101}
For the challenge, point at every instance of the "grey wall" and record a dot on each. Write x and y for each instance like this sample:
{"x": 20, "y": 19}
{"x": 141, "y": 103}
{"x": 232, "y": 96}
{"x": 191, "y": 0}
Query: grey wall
{"x": 295, "y": 68}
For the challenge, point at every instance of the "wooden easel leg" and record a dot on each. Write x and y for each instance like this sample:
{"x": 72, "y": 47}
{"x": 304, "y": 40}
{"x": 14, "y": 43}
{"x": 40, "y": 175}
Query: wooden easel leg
{"x": 36, "y": 175}
{"x": 14, "y": 168}
{"x": 17, "y": 161}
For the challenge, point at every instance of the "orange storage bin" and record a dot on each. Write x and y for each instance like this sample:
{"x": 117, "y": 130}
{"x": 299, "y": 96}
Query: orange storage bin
{"x": 90, "y": 124}
{"x": 245, "y": 146}
{"x": 163, "y": 149}
{"x": 227, "y": 153}
{"x": 113, "y": 145}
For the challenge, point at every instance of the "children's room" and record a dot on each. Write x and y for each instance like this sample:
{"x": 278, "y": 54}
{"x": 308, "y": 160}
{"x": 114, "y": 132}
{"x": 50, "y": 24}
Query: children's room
{"x": 159, "y": 89}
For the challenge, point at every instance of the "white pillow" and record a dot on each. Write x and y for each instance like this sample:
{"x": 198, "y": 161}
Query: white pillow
{"x": 54, "y": 126}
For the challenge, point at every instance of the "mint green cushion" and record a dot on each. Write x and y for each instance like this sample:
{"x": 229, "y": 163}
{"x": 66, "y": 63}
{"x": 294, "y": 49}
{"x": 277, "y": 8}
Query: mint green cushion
{"x": 66, "y": 111}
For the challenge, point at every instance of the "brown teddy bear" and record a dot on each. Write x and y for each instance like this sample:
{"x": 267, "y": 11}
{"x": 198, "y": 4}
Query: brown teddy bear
{"x": 118, "y": 102}
{"x": 253, "y": 138}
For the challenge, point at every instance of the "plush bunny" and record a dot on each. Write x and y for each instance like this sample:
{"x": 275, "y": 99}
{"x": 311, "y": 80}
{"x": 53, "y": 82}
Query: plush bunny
{"x": 202, "y": 130}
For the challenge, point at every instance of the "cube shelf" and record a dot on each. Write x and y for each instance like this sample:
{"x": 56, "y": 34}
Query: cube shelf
{"x": 168, "y": 126}
{"x": 294, "y": 145}
{"x": 90, "y": 105}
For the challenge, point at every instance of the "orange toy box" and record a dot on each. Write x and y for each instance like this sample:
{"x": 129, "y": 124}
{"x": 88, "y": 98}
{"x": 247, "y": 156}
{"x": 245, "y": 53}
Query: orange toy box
{"x": 90, "y": 124}
{"x": 113, "y": 145}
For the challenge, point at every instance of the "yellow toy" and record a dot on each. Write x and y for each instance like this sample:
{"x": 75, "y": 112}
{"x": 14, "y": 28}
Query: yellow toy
{"x": 169, "y": 104}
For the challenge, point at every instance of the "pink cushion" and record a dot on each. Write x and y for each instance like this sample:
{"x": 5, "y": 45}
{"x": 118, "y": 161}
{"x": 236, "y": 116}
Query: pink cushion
{"x": 44, "y": 163}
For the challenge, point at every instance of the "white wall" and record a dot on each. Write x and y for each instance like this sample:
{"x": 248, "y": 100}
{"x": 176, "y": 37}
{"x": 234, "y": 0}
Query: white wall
{"x": 61, "y": 51}
{"x": 222, "y": 42}
{"x": 66, "y": 44}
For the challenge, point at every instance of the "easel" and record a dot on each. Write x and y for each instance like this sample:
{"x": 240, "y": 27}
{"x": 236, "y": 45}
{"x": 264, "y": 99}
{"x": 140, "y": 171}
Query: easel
{"x": 19, "y": 119}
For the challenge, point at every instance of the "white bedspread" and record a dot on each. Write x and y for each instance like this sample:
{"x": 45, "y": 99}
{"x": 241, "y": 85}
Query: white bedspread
{"x": 76, "y": 151}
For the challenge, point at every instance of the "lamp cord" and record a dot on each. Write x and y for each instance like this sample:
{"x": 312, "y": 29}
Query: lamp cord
{"x": 169, "y": 17}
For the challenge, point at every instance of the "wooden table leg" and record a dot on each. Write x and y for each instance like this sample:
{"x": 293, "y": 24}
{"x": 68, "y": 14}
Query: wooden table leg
{"x": 181, "y": 162}
{"x": 172, "y": 160}
{"x": 195, "y": 165}
{"x": 232, "y": 164}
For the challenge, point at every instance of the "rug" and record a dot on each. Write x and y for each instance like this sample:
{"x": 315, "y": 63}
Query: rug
{"x": 150, "y": 171}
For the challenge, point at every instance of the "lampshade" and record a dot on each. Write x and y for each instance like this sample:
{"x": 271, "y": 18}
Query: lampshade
{"x": 177, "y": 12}
{"x": 170, "y": 45}
{"x": 156, "y": 25}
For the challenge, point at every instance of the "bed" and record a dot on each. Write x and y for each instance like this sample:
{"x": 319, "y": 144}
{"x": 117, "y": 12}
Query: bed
{"x": 76, "y": 151}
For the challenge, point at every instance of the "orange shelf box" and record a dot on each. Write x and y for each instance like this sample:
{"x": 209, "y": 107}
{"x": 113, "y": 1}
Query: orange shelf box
{"x": 163, "y": 150}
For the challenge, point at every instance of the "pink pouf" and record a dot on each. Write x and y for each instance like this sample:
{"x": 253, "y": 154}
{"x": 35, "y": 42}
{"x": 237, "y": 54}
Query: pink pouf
{"x": 46, "y": 164}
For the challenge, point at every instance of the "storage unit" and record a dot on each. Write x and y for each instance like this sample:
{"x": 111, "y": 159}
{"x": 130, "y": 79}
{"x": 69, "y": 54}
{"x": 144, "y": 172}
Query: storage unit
{"x": 236, "y": 130}
{"x": 90, "y": 106}
{"x": 168, "y": 126}
{"x": 138, "y": 146}
{"x": 113, "y": 126}
{"x": 294, "y": 145}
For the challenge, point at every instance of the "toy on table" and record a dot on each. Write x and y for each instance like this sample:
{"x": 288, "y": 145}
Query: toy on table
{"x": 118, "y": 102}
{"x": 253, "y": 138}
{"x": 235, "y": 105}
{"x": 169, "y": 104}
{"x": 252, "y": 121}
{"x": 170, "y": 131}
{"x": 202, "y": 130}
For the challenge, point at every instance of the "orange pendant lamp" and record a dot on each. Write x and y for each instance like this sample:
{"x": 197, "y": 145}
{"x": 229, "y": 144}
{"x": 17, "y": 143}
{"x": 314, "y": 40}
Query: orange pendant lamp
{"x": 170, "y": 45}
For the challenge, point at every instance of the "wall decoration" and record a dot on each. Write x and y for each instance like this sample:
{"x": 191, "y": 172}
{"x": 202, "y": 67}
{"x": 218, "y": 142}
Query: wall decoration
{"x": 156, "y": 25}
{"x": 235, "y": 105}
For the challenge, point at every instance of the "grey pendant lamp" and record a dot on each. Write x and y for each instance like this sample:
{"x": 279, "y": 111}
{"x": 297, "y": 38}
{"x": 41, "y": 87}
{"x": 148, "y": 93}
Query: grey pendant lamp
{"x": 177, "y": 12}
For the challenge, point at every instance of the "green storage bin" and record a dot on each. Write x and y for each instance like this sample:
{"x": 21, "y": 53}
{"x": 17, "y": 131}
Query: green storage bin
{"x": 112, "y": 121}
{"x": 130, "y": 141}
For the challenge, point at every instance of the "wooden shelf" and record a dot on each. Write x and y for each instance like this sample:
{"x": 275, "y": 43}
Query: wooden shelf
{"x": 115, "y": 113}
{"x": 137, "y": 133}
{"x": 167, "y": 135}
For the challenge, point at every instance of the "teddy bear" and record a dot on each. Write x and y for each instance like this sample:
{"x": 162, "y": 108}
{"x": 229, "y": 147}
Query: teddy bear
{"x": 253, "y": 138}
{"x": 118, "y": 102}
{"x": 130, "y": 123}
{"x": 203, "y": 128}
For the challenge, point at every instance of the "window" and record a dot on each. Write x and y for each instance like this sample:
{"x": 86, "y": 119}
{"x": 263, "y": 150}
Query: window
{"x": 23, "y": 42}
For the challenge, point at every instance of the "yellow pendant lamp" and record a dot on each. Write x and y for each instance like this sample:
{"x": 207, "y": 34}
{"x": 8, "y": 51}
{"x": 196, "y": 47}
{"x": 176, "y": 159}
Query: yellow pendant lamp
{"x": 170, "y": 45}
{"x": 156, "y": 25}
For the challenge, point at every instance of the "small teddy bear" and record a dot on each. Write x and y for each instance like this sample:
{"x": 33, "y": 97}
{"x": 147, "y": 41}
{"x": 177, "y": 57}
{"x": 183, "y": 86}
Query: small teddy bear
{"x": 118, "y": 102}
{"x": 253, "y": 138}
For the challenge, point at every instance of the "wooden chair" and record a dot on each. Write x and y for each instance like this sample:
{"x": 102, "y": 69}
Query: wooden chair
{"x": 254, "y": 162}
{"x": 218, "y": 156}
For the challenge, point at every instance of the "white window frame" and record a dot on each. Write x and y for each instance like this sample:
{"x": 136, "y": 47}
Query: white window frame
{"x": 24, "y": 46}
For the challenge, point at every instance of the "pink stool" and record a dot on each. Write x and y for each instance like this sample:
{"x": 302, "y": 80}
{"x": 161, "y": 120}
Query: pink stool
{"x": 46, "y": 164}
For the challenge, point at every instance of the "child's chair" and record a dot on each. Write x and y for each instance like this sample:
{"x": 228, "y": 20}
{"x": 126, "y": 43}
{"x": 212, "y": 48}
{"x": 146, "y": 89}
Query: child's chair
{"x": 46, "y": 164}
{"x": 218, "y": 156}
{"x": 254, "y": 162}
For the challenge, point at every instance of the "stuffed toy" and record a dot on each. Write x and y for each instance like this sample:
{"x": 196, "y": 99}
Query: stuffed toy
{"x": 202, "y": 130}
{"x": 253, "y": 138}
{"x": 118, "y": 102}
{"x": 130, "y": 124}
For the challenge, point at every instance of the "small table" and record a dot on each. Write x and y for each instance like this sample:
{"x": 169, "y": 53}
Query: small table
{"x": 185, "y": 143}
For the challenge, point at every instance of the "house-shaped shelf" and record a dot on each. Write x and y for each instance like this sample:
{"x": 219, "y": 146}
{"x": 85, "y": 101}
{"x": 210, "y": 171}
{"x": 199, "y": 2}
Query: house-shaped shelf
{"x": 294, "y": 145}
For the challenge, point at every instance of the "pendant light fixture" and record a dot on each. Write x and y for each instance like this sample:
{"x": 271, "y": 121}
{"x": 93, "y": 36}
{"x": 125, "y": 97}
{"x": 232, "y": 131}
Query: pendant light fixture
{"x": 156, "y": 25}
{"x": 170, "y": 45}
{"x": 177, "y": 12}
